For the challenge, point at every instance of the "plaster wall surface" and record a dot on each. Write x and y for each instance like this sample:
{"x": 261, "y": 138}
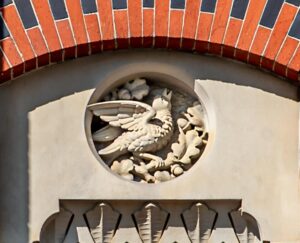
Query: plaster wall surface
{"x": 252, "y": 154}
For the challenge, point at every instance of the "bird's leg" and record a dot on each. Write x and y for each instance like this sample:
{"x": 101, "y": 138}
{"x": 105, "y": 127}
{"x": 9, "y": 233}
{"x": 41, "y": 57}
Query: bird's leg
{"x": 156, "y": 160}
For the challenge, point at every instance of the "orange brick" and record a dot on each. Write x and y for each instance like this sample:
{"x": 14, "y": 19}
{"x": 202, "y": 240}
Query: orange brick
{"x": 280, "y": 30}
{"x": 135, "y": 22}
{"x": 148, "y": 28}
{"x": 4, "y": 63}
{"x": 6, "y": 70}
{"x": 16, "y": 28}
{"x": 161, "y": 22}
{"x": 203, "y": 33}
{"x": 231, "y": 36}
{"x": 175, "y": 29}
{"x": 11, "y": 52}
{"x": 46, "y": 21}
{"x": 67, "y": 39}
{"x": 121, "y": 25}
{"x": 258, "y": 46}
{"x": 190, "y": 23}
{"x": 106, "y": 23}
{"x": 284, "y": 56}
{"x": 253, "y": 15}
{"x": 79, "y": 29}
{"x": 219, "y": 24}
{"x": 39, "y": 46}
{"x": 92, "y": 26}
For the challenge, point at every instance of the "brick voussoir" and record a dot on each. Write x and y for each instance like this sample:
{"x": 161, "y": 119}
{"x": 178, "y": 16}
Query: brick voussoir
{"x": 244, "y": 31}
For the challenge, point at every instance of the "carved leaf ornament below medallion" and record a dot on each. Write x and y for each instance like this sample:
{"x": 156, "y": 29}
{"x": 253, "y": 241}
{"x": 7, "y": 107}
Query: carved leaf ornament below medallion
{"x": 148, "y": 133}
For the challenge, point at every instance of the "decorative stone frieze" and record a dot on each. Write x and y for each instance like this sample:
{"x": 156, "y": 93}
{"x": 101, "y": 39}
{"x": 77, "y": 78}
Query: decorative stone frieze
{"x": 151, "y": 221}
{"x": 199, "y": 221}
{"x": 103, "y": 220}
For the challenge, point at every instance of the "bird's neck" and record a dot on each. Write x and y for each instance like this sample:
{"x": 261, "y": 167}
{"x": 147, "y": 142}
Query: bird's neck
{"x": 163, "y": 114}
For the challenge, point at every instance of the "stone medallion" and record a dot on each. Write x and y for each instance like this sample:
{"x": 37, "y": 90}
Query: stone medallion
{"x": 148, "y": 133}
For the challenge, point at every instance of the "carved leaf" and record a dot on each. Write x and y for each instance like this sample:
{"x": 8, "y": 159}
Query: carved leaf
{"x": 196, "y": 116}
{"x": 192, "y": 141}
{"x": 151, "y": 221}
{"x": 123, "y": 168}
{"x": 103, "y": 220}
{"x": 61, "y": 224}
{"x": 180, "y": 147}
{"x": 198, "y": 221}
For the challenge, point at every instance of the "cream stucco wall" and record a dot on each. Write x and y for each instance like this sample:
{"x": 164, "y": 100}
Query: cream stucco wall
{"x": 252, "y": 154}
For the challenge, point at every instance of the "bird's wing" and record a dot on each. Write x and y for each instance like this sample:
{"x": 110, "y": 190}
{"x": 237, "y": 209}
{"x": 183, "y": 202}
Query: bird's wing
{"x": 127, "y": 114}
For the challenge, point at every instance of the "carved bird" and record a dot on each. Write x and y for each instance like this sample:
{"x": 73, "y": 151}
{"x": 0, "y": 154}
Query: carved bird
{"x": 135, "y": 127}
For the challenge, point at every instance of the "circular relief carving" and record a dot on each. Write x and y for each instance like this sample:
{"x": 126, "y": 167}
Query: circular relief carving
{"x": 147, "y": 132}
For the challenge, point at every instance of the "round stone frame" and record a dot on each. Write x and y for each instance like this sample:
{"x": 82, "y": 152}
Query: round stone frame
{"x": 178, "y": 83}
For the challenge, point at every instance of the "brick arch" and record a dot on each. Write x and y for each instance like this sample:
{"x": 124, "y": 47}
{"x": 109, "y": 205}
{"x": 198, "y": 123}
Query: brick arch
{"x": 36, "y": 33}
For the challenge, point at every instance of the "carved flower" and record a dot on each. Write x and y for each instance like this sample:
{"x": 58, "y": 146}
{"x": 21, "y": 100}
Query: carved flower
{"x": 123, "y": 168}
{"x": 138, "y": 88}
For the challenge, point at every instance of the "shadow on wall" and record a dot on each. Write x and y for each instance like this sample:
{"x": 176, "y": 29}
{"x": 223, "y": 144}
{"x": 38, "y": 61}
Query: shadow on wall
{"x": 13, "y": 167}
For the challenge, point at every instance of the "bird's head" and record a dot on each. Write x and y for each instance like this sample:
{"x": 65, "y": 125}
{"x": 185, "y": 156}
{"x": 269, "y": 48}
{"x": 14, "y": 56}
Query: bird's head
{"x": 163, "y": 101}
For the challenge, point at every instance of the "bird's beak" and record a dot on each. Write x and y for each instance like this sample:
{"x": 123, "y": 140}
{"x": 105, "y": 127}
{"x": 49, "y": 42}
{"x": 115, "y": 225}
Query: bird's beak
{"x": 167, "y": 94}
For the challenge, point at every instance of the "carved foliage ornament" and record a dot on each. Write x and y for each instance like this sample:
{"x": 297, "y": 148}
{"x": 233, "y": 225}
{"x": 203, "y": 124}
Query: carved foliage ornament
{"x": 148, "y": 133}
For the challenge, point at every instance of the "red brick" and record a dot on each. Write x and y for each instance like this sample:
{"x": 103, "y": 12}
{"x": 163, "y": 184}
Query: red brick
{"x": 92, "y": 26}
{"x": 191, "y": 19}
{"x": 219, "y": 24}
{"x": 254, "y": 13}
{"x": 175, "y": 29}
{"x": 46, "y": 21}
{"x": 106, "y": 23}
{"x": 231, "y": 36}
{"x": 66, "y": 37}
{"x": 294, "y": 65}
{"x": 5, "y": 75}
{"x": 190, "y": 23}
{"x": 280, "y": 30}
{"x": 148, "y": 28}
{"x": 39, "y": 46}
{"x": 16, "y": 28}
{"x": 6, "y": 70}
{"x": 79, "y": 29}
{"x": 121, "y": 25}
{"x": 11, "y": 52}
{"x": 161, "y": 23}
{"x": 4, "y": 62}
{"x": 135, "y": 22}
{"x": 258, "y": 46}
{"x": 203, "y": 33}
{"x": 287, "y": 50}
{"x": 293, "y": 75}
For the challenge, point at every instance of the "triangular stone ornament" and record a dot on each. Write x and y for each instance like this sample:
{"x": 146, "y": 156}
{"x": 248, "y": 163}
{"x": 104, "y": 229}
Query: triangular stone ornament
{"x": 61, "y": 224}
{"x": 151, "y": 221}
{"x": 245, "y": 227}
{"x": 103, "y": 221}
{"x": 199, "y": 221}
